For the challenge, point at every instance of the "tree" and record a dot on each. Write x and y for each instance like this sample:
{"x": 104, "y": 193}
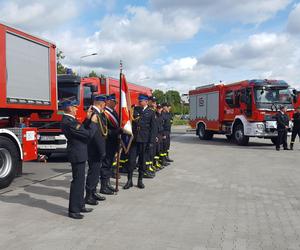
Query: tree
{"x": 61, "y": 69}
{"x": 93, "y": 74}
{"x": 159, "y": 95}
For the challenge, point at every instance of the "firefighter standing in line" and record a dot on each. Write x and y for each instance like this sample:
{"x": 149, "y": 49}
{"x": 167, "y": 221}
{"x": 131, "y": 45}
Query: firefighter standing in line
{"x": 167, "y": 123}
{"x": 282, "y": 128}
{"x": 96, "y": 151}
{"x": 111, "y": 144}
{"x": 78, "y": 137}
{"x": 143, "y": 126}
{"x": 158, "y": 149}
{"x": 296, "y": 127}
{"x": 150, "y": 168}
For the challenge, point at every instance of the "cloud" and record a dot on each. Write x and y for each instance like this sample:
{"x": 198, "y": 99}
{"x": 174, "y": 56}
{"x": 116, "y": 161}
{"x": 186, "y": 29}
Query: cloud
{"x": 181, "y": 74}
{"x": 252, "y": 12}
{"x": 258, "y": 52}
{"x": 293, "y": 25}
{"x": 138, "y": 24}
{"x": 125, "y": 37}
{"x": 37, "y": 15}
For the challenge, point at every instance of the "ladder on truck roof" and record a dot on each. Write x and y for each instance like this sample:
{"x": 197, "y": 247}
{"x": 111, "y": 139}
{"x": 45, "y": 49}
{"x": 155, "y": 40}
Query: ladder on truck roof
{"x": 207, "y": 86}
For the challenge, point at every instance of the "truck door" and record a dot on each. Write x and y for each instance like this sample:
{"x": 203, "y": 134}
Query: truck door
{"x": 246, "y": 101}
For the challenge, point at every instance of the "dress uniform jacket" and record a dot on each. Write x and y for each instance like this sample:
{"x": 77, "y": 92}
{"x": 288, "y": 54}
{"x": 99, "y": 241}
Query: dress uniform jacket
{"x": 144, "y": 125}
{"x": 96, "y": 146}
{"x": 78, "y": 137}
{"x": 282, "y": 120}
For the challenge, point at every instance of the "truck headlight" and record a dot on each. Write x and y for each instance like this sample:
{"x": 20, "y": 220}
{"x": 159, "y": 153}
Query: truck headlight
{"x": 260, "y": 126}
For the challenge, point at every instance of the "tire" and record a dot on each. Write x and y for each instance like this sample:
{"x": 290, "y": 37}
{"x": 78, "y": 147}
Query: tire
{"x": 9, "y": 161}
{"x": 239, "y": 136}
{"x": 203, "y": 133}
{"x": 274, "y": 140}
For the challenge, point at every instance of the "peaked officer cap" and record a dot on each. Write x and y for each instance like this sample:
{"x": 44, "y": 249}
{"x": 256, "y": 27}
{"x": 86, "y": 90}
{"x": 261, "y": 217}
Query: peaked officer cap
{"x": 68, "y": 103}
{"x": 100, "y": 98}
{"x": 143, "y": 97}
{"x": 112, "y": 97}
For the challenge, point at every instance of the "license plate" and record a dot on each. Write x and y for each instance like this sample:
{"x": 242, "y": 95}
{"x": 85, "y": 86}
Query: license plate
{"x": 46, "y": 147}
{"x": 47, "y": 138}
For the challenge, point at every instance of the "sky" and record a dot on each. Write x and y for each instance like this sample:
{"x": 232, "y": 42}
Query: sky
{"x": 169, "y": 44}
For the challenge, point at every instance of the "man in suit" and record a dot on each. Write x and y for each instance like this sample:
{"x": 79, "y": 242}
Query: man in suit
{"x": 143, "y": 125}
{"x": 96, "y": 150}
{"x": 282, "y": 128}
{"x": 78, "y": 137}
{"x": 112, "y": 144}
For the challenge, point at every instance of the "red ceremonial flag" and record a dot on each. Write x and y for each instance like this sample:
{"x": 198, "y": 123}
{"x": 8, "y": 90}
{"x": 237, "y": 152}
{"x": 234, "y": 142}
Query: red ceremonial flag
{"x": 126, "y": 122}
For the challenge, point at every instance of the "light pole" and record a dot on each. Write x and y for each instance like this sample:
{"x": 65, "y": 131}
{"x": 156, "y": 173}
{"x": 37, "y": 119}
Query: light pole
{"x": 93, "y": 54}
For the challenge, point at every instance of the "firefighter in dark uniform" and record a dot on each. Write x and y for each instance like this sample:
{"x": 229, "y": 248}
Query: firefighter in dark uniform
{"x": 296, "y": 127}
{"x": 96, "y": 151}
{"x": 282, "y": 128}
{"x": 167, "y": 123}
{"x": 150, "y": 168}
{"x": 78, "y": 137}
{"x": 111, "y": 144}
{"x": 158, "y": 149}
{"x": 143, "y": 125}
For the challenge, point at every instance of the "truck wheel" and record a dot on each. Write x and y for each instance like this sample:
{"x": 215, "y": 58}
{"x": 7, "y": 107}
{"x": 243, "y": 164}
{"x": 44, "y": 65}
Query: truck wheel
{"x": 9, "y": 161}
{"x": 239, "y": 136}
{"x": 203, "y": 133}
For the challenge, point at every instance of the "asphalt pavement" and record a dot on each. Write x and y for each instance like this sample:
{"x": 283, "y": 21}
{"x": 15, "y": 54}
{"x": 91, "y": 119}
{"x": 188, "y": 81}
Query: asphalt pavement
{"x": 215, "y": 195}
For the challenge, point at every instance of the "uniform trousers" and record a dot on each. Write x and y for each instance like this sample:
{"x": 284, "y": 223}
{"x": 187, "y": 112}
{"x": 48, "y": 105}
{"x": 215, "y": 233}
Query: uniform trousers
{"x": 93, "y": 176}
{"x": 137, "y": 150}
{"x": 111, "y": 150}
{"x": 282, "y": 138}
{"x": 295, "y": 132}
{"x": 76, "y": 200}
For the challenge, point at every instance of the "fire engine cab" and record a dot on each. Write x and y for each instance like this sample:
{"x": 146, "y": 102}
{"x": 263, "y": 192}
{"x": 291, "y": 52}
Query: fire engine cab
{"x": 239, "y": 110}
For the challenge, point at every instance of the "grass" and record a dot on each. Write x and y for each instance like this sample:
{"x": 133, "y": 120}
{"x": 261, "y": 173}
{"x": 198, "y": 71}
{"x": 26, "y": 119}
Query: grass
{"x": 177, "y": 121}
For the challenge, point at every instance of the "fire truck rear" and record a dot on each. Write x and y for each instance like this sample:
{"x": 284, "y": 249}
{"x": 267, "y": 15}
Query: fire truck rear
{"x": 28, "y": 84}
{"x": 239, "y": 110}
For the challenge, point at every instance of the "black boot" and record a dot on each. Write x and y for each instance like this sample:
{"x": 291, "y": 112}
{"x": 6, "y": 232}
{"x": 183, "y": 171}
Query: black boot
{"x": 104, "y": 188}
{"x": 110, "y": 186}
{"x": 90, "y": 200}
{"x": 168, "y": 158}
{"x": 292, "y": 146}
{"x": 129, "y": 183}
{"x": 140, "y": 183}
{"x": 164, "y": 162}
{"x": 98, "y": 197}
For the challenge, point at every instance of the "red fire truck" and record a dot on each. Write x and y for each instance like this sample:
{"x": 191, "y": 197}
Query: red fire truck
{"x": 50, "y": 139}
{"x": 28, "y": 84}
{"x": 239, "y": 110}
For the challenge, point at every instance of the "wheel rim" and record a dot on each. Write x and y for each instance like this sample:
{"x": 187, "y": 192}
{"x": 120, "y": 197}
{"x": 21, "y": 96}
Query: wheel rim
{"x": 5, "y": 162}
{"x": 201, "y": 131}
{"x": 239, "y": 135}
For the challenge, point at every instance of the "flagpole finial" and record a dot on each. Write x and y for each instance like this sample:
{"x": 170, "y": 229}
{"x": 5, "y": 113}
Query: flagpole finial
{"x": 121, "y": 66}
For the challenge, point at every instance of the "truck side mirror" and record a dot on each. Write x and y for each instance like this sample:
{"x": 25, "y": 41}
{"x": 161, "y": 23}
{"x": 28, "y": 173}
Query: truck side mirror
{"x": 94, "y": 88}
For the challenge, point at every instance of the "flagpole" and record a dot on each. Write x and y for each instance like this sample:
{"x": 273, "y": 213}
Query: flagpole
{"x": 120, "y": 125}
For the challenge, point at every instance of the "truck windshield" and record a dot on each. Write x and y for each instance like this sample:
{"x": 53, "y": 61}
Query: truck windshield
{"x": 67, "y": 91}
{"x": 273, "y": 95}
